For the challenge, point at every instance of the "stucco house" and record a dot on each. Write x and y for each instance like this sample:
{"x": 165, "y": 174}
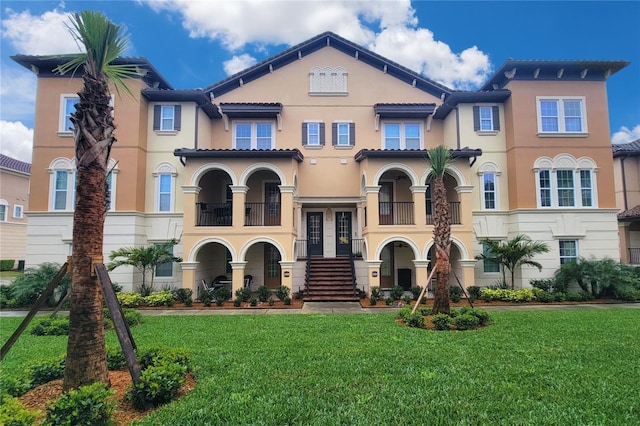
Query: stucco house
{"x": 14, "y": 202}
{"x": 626, "y": 161}
{"x": 310, "y": 169}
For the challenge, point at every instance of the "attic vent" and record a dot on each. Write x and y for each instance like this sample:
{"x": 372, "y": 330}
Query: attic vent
{"x": 328, "y": 81}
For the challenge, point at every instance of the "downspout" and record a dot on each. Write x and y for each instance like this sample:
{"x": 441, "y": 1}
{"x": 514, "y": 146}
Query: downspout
{"x": 195, "y": 142}
{"x": 457, "y": 127}
{"x": 624, "y": 182}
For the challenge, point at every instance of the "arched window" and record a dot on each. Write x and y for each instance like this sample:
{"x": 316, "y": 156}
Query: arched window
{"x": 488, "y": 173}
{"x": 165, "y": 175}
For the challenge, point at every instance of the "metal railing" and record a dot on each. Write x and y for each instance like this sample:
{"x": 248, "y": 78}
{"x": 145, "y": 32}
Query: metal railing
{"x": 214, "y": 214}
{"x": 634, "y": 256}
{"x": 301, "y": 248}
{"x": 395, "y": 212}
{"x": 357, "y": 247}
{"x": 454, "y": 210}
{"x": 262, "y": 214}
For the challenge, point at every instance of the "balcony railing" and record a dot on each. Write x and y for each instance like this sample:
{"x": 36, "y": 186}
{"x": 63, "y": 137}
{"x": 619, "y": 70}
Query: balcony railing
{"x": 262, "y": 214}
{"x": 634, "y": 256}
{"x": 357, "y": 247}
{"x": 454, "y": 209}
{"x": 395, "y": 213}
{"x": 214, "y": 214}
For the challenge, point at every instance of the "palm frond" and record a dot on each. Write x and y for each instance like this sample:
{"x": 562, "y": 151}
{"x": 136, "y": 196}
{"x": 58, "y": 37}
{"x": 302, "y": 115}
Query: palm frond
{"x": 440, "y": 157}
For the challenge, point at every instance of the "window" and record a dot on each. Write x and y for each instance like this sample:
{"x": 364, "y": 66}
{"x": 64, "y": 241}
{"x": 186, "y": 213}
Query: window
{"x": 402, "y": 136}
{"x": 165, "y": 270}
{"x": 561, "y": 115}
{"x": 257, "y": 135}
{"x": 568, "y": 251}
{"x": 486, "y": 118}
{"x": 489, "y": 190}
{"x": 3, "y": 210}
{"x": 566, "y": 181}
{"x": 165, "y": 175}
{"x": 167, "y": 118}
{"x": 313, "y": 134}
{"x": 64, "y": 190}
{"x": 489, "y": 266}
{"x": 17, "y": 211}
{"x": 343, "y": 134}
{"x": 67, "y": 107}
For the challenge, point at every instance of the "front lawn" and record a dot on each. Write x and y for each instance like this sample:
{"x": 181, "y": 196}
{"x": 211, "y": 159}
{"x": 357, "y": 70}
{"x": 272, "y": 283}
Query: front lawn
{"x": 527, "y": 368}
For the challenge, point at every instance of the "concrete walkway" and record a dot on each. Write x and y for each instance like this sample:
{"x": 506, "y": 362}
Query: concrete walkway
{"x": 343, "y": 308}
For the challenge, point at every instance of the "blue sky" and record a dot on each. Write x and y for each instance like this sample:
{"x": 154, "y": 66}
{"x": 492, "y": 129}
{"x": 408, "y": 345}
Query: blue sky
{"x": 458, "y": 43}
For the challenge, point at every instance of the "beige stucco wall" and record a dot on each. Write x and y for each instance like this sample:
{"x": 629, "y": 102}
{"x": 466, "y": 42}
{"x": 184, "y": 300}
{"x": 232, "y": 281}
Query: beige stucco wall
{"x": 14, "y": 190}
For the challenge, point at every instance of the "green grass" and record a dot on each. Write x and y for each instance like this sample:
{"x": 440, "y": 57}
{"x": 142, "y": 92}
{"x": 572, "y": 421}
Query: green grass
{"x": 527, "y": 368}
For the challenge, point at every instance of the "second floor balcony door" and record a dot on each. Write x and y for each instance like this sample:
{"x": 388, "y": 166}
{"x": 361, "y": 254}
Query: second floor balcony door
{"x": 386, "y": 203}
{"x": 272, "y": 200}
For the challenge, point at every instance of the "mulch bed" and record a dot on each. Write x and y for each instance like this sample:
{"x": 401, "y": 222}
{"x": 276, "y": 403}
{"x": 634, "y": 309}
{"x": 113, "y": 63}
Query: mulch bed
{"x": 482, "y": 303}
{"x": 295, "y": 304}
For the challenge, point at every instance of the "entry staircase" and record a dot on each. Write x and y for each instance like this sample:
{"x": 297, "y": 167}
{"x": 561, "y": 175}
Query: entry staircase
{"x": 330, "y": 280}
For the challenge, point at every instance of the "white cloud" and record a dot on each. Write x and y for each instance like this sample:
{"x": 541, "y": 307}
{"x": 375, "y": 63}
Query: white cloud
{"x": 626, "y": 135}
{"x": 17, "y": 140}
{"x": 238, "y": 63}
{"x": 18, "y": 90}
{"x": 236, "y": 24}
{"x": 45, "y": 34}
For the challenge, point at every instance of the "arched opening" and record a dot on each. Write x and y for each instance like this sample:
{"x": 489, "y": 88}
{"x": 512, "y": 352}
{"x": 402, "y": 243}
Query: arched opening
{"x": 263, "y": 202}
{"x": 263, "y": 264}
{"x": 450, "y": 185}
{"x": 215, "y": 200}
{"x": 395, "y": 198}
{"x": 397, "y": 267}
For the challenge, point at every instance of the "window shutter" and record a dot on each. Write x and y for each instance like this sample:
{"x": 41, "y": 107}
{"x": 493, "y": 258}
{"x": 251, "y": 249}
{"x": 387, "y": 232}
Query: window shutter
{"x": 352, "y": 134}
{"x": 476, "y": 118}
{"x": 334, "y": 133}
{"x": 177, "y": 114}
{"x": 322, "y": 134}
{"x": 156, "y": 117}
{"x": 496, "y": 118}
{"x": 304, "y": 133}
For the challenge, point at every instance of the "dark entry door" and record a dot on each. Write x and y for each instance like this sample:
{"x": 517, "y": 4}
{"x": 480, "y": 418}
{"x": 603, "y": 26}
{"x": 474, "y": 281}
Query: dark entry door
{"x": 314, "y": 234}
{"x": 343, "y": 233}
{"x": 271, "y": 266}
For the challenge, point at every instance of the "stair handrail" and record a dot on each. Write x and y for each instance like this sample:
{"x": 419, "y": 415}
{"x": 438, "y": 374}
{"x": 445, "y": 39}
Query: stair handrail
{"x": 307, "y": 272}
{"x": 353, "y": 268}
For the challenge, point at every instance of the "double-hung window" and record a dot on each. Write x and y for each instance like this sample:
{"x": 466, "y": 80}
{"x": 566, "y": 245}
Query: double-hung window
{"x": 402, "y": 136}
{"x": 3, "y": 210}
{"x": 568, "y": 251}
{"x": 565, "y": 188}
{"x": 17, "y": 211}
{"x": 63, "y": 190}
{"x": 313, "y": 133}
{"x": 561, "y": 115}
{"x": 343, "y": 134}
{"x": 486, "y": 118}
{"x": 167, "y": 118}
{"x": 489, "y": 191}
{"x": 165, "y": 270}
{"x": 165, "y": 192}
{"x": 67, "y": 107}
{"x": 488, "y": 265}
{"x": 254, "y": 135}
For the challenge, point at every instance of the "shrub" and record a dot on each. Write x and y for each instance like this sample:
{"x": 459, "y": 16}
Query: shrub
{"x": 184, "y": 295}
{"x": 404, "y": 313}
{"x": 158, "y": 384}
{"x": 160, "y": 298}
{"x": 455, "y": 293}
{"x": 543, "y": 295}
{"x": 389, "y": 301}
{"x": 89, "y": 405}
{"x": 282, "y": 292}
{"x": 244, "y": 294}
{"x": 221, "y": 295}
{"x": 373, "y": 301}
{"x": 559, "y": 297}
{"x": 253, "y": 301}
{"x": 466, "y": 321}
{"x": 115, "y": 358}
{"x": 7, "y": 264}
{"x": 547, "y": 285}
{"x": 13, "y": 386}
{"x": 26, "y": 288}
{"x": 375, "y": 292}
{"x": 160, "y": 355}
{"x": 237, "y": 302}
{"x": 474, "y": 293}
{"x": 415, "y": 320}
{"x": 271, "y": 301}
{"x": 628, "y": 294}
{"x": 46, "y": 371}
{"x": 14, "y": 413}
{"x": 407, "y": 299}
{"x": 441, "y": 321}
{"x": 287, "y": 300}
{"x": 51, "y": 326}
{"x": 425, "y": 310}
{"x": 130, "y": 300}
{"x": 205, "y": 297}
{"x": 415, "y": 291}
{"x": 299, "y": 294}
{"x": 396, "y": 292}
{"x": 263, "y": 293}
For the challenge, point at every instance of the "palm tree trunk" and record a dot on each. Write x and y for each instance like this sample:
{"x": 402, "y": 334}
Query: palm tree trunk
{"x": 442, "y": 241}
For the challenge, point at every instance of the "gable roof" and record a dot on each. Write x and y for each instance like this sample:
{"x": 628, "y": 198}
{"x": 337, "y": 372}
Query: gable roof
{"x": 12, "y": 164}
{"x": 328, "y": 39}
{"x": 562, "y": 70}
{"x": 631, "y": 149}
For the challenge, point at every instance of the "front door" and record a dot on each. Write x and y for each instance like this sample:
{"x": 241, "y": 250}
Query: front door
{"x": 343, "y": 233}
{"x": 387, "y": 266}
{"x": 272, "y": 204}
{"x": 314, "y": 234}
{"x": 271, "y": 266}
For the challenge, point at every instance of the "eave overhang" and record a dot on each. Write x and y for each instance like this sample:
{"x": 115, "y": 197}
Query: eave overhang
{"x": 251, "y": 110}
{"x": 413, "y": 153}
{"x": 328, "y": 39}
{"x": 550, "y": 70}
{"x": 630, "y": 215}
{"x": 456, "y": 98}
{"x": 293, "y": 154}
{"x": 43, "y": 66}
{"x": 416, "y": 111}
{"x": 200, "y": 98}
{"x": 631, "y": 149}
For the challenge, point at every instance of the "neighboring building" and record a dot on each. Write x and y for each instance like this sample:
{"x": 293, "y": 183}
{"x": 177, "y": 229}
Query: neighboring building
{"x": 626, "y": 162}
{"x": 14, "y": 202}
{"x": 320, "y": 152}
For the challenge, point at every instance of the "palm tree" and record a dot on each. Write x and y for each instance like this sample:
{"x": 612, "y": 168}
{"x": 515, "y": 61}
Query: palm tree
{"x": 145, "y": 259}
{"x": 512, "y": 254}
{"x": 440, "y": 157}
{"x": 93, "y": 123}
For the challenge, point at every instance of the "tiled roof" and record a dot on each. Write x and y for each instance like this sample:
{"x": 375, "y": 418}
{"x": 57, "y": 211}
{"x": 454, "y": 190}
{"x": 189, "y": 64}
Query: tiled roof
{"x": 15, "y": 165}
{"x": 239, "y": 153}
{"x": 631, "y": 149}
{"x": 413, "y": 153}
{"x": 632, "y": 213}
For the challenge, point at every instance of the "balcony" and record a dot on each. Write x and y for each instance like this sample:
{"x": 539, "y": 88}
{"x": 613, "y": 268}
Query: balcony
{"x": 454, "y": 210}
{"x": 214, "y": 214}
{"x": 395, "y": 213}
{"x": 634, "y": 256}
{"x": 262, "y": 214}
